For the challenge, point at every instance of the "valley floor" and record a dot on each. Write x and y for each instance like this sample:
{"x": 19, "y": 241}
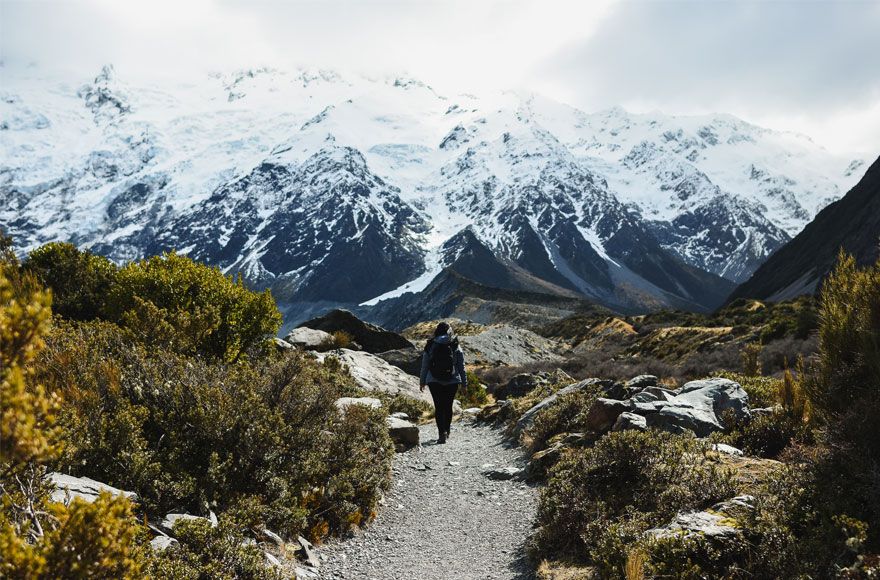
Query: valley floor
{"x": 444, "y": 518}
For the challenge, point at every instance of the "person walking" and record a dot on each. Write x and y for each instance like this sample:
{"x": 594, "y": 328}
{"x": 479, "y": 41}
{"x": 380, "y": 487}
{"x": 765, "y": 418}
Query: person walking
{"x": 443, "y": 371}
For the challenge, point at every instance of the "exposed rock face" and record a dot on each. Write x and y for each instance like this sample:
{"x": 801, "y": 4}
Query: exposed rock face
{"x": 630, "y": 422}
{"x": 507, "y": 345}
{"x": 374, "y": 374}
{"x": 371, "y": 338}
{"x": 84, "y": 488}
{"x": 409, "y": 360}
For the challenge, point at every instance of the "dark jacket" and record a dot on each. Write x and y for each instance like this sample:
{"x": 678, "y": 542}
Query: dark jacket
{"x": 426, "y": 377}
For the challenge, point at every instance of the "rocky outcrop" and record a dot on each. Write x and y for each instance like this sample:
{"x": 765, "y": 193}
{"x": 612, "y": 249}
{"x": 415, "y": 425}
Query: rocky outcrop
{"x": 507, "y": 345}
{"x": 371, "y": 338}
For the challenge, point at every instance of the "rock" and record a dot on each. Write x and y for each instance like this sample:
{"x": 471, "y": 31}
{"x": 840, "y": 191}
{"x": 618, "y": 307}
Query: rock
{"x": 306, "y": 338}
{"x": 630, "y": 422}
{"x": 409, "y": 360}
{"x": 699, "y": 406}
{"x": 167, "y": 523}
{"x": 508, "y": 345}
{"x": 604, "y": 413}
{"x": 645, "y": 397}
{"x": 645, "y": 409}
{"x": 272, "y": 560}
{"x": 528, "y": 418}
{"x": 543, "y": 460}
{"x": 84, "y": 488}
{"x": 374, "y": 374}
{"x": 402, "y": 432}
{"x": 456, "y": 407}
{"x": 273, "y": 537}
{"x": 728, "y": 449}
{"x": 503, "y": 473}
{"x": 310, "y": 558}
{"x": 641, "y": 382}
{"x": 659, "y": 393}
{"x": 400, "y": 415}
{"x": 372, "y": 338}
{"x": 719, "y": 522}
{"x": 345, "y": 402}
{"x": 766, "y": 411}
{"x": 282, "y": 345}
{"x": 162, "y": 543}
{"x": 471, "y": 411}
{"x": 524, "y": 383}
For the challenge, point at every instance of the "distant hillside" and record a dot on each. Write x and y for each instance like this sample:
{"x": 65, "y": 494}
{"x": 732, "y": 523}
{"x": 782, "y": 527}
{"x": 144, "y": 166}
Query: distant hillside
{"x": 851, "y": 223}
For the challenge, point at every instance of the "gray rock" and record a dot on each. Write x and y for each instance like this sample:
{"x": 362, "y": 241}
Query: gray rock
{"x": 167, "y": 523}
{"x": 503, "y": 473}
{"x": 470, "y": 411}
{"x": 400, "y": 415}
{"x": 345, "y": 402}
{"x": 508, "y": 345}
{"x": 604, "y": 413}
{"x": 524, "y": 383}
{"x": 409, "y": 360}
{"x": 272, "y": 560}
{"x": 374, "y": 374}
{"x": 456, "y": 407}
{"x": 273, "y": 537}
{"x": 310, "y": 558}
{"x": 728, "y": 449}
{"x": 717, "y": 523}
{"x": 766, "y": 411}
{"x": 84, "y": 488}
{"x": 528, "y": 418}
{"x": 306, "y": 338}
{"x": 282, "y": 344}
{"x": 630, "y": 422}
{"x": 645, "y": 397}
{"x": 162, "y": 543}
{"x": 646, "y": 409}
{"x": 700, "y": 405}
{"x": 659, "y": 393}
{"x": 403, "y": 432}
{"x": 641, "y": 382}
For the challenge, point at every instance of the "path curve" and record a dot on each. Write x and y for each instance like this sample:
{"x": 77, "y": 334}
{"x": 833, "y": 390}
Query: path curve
{"x": 444, "y": 519}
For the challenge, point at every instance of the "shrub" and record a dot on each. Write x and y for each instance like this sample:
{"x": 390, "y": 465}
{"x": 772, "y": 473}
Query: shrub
{"x": 751, "y": 364}
{"x": 640, "y": 478}
{"x": 762, "y": 391}
{"x": 196, "y": 434}
{"x": 39, "y": 539}
{"x": 475, "y": 395}
{"x": 339, "y": 339}
{"x": 80, "y": 281}
{"x": 190, "y": 308}
{"x": 218, "y": 553}
{"x": 566, "y": 416}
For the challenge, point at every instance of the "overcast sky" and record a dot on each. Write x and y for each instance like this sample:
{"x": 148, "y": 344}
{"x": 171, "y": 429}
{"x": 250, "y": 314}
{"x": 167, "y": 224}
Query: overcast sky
{"x": 806, "y": 65}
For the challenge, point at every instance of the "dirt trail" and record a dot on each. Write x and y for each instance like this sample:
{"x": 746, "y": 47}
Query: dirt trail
{"x": 444, "y": 519}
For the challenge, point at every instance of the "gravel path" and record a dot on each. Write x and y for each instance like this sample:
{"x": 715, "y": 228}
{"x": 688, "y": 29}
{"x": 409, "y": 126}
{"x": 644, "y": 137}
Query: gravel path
{"x": 444, "y": 518}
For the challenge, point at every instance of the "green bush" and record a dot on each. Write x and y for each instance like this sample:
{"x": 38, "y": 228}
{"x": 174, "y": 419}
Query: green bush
{"x": 762, "y": 391}
{"x": 203, "y": 434}
{"x": 218, "y": 553}
{"x": 568, "y": 415}
{"x": 80, "y": 281}
{"x": 639, "y": 478}
{"x": 475, "y": 395}
{"x": 191, "y": 308}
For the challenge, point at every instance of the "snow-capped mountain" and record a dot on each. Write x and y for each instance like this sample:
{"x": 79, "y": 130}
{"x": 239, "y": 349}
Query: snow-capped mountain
{"x": 353, "y": 190}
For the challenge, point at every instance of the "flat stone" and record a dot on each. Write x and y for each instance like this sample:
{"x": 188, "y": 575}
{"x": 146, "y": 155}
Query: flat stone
{"x": 345, "y": 402}
{"x": 503, "y": 473}
{"x": 84, "y": 488}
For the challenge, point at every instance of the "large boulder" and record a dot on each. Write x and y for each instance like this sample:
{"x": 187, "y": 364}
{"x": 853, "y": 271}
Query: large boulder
{"x": 409, "y": 360}
{"x": 374, "y": 374}
{"x": 68, "y": 488}
{"x": 528, "y": 418}
{"x": 698, "y": 407}
{"x": 508, "y": 345}
{"x": 371, "y": 338}
{"x": 307, "y": 338}
{"x": 604, "y": 412}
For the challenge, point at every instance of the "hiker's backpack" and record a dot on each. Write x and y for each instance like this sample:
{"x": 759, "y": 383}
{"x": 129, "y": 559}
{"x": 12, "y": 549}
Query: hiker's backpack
{"x": 441, "y": 359}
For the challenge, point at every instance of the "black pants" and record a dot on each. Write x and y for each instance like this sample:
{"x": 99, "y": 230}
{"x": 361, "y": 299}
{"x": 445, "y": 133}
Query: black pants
{"x": 443, "y": 396}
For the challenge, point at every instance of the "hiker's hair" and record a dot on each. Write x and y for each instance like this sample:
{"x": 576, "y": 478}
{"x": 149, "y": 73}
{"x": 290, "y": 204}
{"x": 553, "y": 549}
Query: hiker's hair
{"x": 443, "y": 328}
